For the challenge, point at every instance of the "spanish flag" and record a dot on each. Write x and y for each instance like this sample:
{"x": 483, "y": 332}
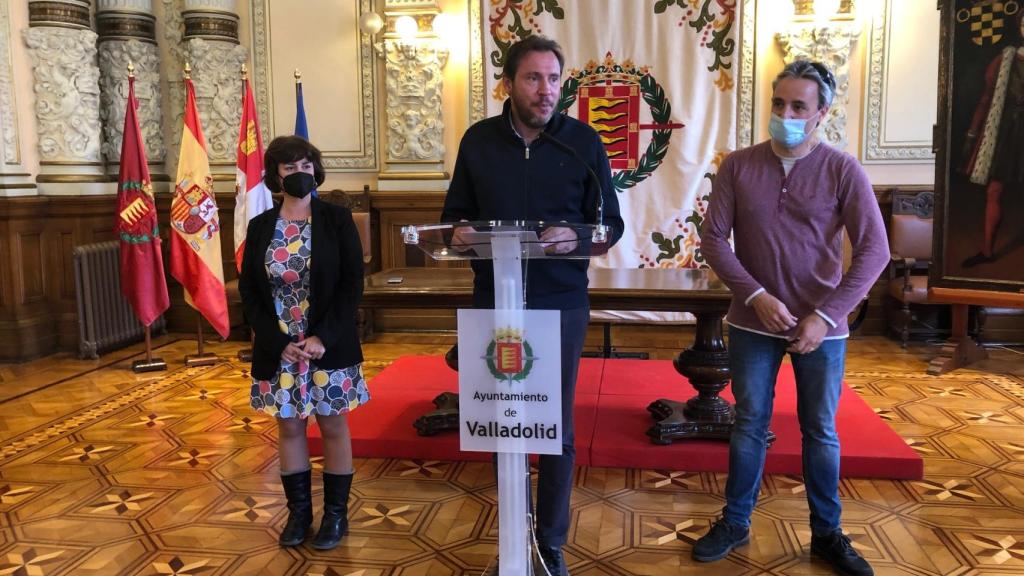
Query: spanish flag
{"x": 195, "y": 239}
{"x": 142, "y": 266}
{"x": 251, "y": 196}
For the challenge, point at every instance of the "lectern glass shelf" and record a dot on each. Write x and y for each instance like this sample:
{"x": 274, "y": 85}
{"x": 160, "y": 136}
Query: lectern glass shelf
{"x": 473, "y": 242}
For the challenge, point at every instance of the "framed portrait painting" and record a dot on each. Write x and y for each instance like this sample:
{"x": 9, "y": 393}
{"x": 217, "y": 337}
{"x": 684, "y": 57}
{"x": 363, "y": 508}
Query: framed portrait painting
{"x": 979, "y": 165}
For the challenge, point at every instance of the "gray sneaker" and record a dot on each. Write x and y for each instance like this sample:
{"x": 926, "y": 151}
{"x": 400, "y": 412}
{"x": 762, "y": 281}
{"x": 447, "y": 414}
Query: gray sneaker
{"x": 719, "y": 541}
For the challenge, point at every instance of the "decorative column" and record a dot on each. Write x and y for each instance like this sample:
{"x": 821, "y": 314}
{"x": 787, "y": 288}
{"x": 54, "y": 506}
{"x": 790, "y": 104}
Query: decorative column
{"x": 127, "y": 33}
{"x": 414, "y": 59}
{"x": 62, "y": 47}
{"x": 172, "y": 28}
{"x": 14, "y": 178}
{"x": 211, "y": 47}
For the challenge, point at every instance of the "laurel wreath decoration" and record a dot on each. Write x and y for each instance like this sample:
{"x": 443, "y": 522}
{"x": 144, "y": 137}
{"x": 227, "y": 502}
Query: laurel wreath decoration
{"x": 493, "y": 368}
{"x": 141, "y": 238}
{"x": 653, "y": 94}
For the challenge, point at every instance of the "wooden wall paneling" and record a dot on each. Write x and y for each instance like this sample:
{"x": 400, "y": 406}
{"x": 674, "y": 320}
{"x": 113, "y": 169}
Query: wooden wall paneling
{"x": 26, "y": 323}
{"x": 38, "y": 313}
{"x": 73, "y": 221}
{"x": 33, "y": 314}
{"x": 6, "y": 271}
{"x": 393, "y": 211}
{"x": 30, "y": 246}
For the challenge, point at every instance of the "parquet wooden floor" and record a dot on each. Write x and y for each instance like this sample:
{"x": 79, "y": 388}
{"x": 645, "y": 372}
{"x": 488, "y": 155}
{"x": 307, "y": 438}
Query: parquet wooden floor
{"x": 104, "y": 472}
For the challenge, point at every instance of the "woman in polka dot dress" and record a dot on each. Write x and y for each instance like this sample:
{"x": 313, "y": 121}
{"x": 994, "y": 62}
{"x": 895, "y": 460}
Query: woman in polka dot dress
{"x": 301, "y": 280}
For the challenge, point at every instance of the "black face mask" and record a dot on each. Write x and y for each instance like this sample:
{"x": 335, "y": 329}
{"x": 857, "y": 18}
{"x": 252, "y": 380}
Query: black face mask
{"x": 299, "y": 184}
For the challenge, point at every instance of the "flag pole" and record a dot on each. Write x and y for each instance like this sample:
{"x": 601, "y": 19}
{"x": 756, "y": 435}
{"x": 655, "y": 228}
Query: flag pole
{"x": 150, "y": 364}
{"x": 201, "y": 357}
{"x": 245, "y": 354}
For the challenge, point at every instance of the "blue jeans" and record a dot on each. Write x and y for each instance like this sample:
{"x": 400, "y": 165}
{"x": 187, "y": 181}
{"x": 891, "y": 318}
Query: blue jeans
{"x": 754, "y": 360}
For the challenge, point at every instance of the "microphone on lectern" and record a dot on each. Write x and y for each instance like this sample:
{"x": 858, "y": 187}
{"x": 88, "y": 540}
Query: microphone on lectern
{"x": 600, "y": 235}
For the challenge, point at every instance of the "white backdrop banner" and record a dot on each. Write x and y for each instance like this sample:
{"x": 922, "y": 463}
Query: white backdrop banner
{"x": 657, "y": 80}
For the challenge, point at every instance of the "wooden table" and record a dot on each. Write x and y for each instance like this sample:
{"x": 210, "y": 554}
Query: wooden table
{"x": 705, "y": 364}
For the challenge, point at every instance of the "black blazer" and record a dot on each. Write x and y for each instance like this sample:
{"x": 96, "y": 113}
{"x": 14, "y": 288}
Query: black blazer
{"x": 335, "y": 289}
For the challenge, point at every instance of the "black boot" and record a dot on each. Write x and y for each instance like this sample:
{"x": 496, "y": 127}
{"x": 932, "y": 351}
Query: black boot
{"x": 334, "y": 524}
{"x": 298, "y": 491}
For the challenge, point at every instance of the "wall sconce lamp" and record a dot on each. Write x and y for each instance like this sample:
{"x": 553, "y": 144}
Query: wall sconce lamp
{"x": 826, "y": 9}
{"x": 407, "y": 26}
{"x": 370, "y": 23}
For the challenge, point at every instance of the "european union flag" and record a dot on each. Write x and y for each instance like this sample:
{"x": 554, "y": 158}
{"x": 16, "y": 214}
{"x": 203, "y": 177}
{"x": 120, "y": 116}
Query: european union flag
{"x": 301, "y": 129}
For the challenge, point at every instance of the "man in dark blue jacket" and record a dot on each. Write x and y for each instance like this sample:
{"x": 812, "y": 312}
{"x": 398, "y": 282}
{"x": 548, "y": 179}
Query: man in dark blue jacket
{"x": 530, "y": 163}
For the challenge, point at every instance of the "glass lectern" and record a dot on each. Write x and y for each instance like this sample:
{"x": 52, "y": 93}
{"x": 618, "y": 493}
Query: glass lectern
{"x": 509, "y": 244}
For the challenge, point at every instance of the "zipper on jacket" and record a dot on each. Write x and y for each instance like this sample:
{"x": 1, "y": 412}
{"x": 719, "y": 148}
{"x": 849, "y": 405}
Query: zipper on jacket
{"x": 526, "y": 214}
{"x": 526, "y": 180}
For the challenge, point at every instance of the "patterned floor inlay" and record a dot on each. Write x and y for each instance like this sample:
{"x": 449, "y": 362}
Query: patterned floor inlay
{"x": 109, "y": 473}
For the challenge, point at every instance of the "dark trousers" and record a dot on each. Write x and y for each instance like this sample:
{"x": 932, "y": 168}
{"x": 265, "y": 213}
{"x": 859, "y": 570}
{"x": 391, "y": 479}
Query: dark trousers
{"x": 554, "y": 478}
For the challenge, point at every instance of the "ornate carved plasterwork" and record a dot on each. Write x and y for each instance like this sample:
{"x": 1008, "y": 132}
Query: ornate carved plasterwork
{"x": 216, "y": 62}
{"x": 127, "y": 34}
{"x": 216, "y": 75}
{"x": 261, "y": 64}
{"x": 174, "y": 89}
{"x": 477, "y": 95}
{"x": 362, "y": 159}
{"x": 875, "y": 148}
{"x": 114, "y": 57}
{"x": 831, "y": 44}
{"x": 414, "y": 86}
{"x": 66, "y": 83}
{"x": 745, "y": 88}
{"x": 8, "y": 126}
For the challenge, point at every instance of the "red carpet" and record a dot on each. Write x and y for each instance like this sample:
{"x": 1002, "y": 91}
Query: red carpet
{"x": 616, "y": 393}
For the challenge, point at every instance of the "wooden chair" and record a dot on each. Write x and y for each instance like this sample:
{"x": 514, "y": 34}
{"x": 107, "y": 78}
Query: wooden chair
{"x": 910, "y": 247}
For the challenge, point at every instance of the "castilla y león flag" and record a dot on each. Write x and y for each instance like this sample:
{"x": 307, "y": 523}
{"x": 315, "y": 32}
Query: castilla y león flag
{"x": 142, "y": 266}
{"x": 251, "y": 196}
{"x": 195, "y": 241}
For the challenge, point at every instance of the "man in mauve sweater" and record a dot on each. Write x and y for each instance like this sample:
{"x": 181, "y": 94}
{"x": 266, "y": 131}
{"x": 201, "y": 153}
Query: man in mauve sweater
{"x": 786, "y": 202}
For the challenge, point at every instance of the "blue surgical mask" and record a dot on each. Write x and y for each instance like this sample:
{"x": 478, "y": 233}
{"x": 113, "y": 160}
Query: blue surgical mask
{"x": 790, "y": 132}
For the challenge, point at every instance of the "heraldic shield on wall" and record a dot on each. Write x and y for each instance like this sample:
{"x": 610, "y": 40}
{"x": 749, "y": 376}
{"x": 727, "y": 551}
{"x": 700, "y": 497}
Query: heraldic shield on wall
{"x": 979, "y": 215}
